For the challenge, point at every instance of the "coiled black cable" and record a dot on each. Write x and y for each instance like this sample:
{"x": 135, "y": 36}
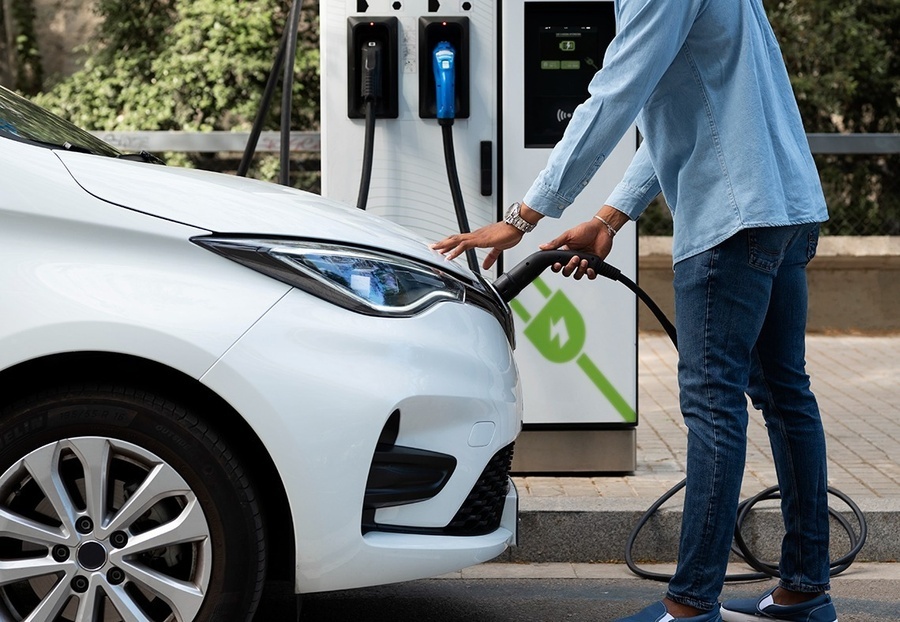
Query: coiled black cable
{"x": 764, "y": 570}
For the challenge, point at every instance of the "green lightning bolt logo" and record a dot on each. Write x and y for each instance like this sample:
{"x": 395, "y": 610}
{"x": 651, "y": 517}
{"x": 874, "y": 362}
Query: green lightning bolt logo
{"x": 559, "y": 333}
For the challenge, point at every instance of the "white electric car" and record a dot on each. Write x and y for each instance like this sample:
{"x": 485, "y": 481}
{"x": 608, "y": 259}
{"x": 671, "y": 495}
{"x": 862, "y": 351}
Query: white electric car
{"x": 205, "y": 378}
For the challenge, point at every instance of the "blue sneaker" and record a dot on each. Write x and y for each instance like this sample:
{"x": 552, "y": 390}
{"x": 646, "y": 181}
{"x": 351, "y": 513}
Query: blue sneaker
{"x": 657, "y": 613}
{"x": 819, "y": 609}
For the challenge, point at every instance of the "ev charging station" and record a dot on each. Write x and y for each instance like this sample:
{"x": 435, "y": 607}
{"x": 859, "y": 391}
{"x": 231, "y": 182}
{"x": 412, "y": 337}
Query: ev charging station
{"x": 521, "y": 68}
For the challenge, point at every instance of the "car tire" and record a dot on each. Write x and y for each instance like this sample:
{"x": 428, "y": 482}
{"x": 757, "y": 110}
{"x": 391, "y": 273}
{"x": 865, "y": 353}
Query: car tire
{"x": 119, "y": 504}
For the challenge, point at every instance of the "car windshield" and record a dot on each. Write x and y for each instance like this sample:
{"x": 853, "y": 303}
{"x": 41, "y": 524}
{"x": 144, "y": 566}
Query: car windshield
{"x": 26, "y": 122}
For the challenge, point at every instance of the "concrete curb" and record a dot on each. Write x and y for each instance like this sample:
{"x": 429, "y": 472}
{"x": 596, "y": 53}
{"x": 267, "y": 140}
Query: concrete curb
{"x": 595, "y": 530}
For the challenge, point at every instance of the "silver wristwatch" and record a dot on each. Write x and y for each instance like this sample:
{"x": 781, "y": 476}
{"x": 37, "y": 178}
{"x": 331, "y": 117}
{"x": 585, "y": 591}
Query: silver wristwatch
{"x": 515, "y": 219}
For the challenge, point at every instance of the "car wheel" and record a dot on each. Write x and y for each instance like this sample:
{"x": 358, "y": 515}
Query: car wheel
{"x": 116, "y": 504}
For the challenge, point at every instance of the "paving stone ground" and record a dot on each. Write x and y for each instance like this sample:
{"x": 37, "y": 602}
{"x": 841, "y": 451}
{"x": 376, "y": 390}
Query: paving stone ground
{"x": 856, "y": 380}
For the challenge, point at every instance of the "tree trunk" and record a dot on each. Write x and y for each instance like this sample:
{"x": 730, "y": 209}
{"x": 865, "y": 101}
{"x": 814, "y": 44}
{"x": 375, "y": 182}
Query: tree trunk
{"x": 9, "y": 71}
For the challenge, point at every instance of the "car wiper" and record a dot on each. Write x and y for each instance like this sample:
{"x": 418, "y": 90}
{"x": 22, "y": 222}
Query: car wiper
{"x": 48, "y": 144}
{"x": 142, "y": 156}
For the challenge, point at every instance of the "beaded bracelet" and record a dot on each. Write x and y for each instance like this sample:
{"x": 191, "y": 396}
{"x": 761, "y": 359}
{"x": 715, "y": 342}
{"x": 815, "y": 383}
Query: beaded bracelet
{"x": 609, "y": 228}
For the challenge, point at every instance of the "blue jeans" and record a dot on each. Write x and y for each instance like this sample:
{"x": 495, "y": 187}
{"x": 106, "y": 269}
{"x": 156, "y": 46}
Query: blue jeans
{"x": 741, "y": 321}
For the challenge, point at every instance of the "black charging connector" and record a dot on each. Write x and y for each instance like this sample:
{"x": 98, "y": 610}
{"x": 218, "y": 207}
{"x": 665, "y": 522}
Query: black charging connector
{"x": 433, "y": 31}
{"x": 372, "y": 85}
{"x": 372, "y": 82}
{"x": 373, "y": 67}
{"x": 371, "y": 89}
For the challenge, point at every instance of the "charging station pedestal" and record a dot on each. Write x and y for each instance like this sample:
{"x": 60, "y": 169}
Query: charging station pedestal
{"x": 523, "y": 67}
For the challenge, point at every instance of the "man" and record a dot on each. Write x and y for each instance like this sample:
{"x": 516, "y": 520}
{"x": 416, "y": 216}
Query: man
{"x": 724, "y": 142}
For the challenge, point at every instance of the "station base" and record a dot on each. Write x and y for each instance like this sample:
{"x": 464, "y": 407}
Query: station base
{"x": 575, "y": 451}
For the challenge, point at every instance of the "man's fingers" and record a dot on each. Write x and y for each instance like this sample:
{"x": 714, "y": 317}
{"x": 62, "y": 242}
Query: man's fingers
{"x": 491, "y": 258}
{"x": 445, "y": 244}
{"x": 571, "y": 267}
{"x": 553, "y": 244}
{"x": 451, "y": 247}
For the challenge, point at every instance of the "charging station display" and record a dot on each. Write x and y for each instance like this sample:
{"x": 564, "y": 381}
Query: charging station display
{"x": 564, "y": 49}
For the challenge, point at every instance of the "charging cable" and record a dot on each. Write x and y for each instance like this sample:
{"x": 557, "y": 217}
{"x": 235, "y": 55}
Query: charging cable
{"x": 444, "y": 65}
{"x": 511, "y": 283}
{"x": 370, "y": 89}
{"x": 288, "y": 42}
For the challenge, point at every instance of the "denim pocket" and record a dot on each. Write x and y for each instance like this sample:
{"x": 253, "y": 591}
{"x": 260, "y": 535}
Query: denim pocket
{"x": 767, "y": 246}
{"x": 812, "y": 243}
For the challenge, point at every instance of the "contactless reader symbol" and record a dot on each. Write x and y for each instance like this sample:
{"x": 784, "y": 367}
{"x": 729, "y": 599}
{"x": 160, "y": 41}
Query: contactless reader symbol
{"x": 562, "y": 116}
{"x": 559, "y": 333}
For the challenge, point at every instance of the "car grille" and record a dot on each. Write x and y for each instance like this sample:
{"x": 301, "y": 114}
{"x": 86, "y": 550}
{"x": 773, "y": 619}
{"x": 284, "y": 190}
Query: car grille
{"x": 483, "y": 508}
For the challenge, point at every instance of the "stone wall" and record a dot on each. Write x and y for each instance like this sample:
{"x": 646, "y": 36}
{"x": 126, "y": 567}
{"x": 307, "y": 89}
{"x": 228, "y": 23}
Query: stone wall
{"x": 854, "y": 283}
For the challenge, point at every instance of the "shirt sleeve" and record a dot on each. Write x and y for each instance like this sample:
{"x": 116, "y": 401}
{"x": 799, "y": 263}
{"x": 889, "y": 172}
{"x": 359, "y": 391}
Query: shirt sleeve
{"x": 650, "y": 34}
{"x": 638, "y": 187}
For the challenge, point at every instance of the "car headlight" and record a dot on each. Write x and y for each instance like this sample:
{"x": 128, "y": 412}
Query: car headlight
{"x": 363, "y": 280}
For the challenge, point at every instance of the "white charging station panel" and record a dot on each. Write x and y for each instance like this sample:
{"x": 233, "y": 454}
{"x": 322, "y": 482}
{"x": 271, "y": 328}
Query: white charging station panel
{"x": 409, "y": 180}
{"x": 577, "y": 350}
{"x": 528, "y": 67}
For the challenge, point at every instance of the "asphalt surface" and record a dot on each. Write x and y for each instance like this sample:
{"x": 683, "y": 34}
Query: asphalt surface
{"x": 554, "y": 592}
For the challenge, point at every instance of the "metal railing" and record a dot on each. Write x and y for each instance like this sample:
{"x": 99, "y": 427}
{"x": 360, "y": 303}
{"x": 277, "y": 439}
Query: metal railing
{"x": 854, "y": 143}
{"x": 212, "y": 142}
{"x": 207, "y": 142}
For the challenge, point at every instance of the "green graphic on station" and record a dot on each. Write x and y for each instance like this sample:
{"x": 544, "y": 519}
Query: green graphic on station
{"x": 559, "y": 333}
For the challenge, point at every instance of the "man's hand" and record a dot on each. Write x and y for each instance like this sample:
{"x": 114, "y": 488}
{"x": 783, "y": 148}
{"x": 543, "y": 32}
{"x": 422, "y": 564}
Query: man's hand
{"x": 498, "y": 237}
{"x": 592, "y": 236}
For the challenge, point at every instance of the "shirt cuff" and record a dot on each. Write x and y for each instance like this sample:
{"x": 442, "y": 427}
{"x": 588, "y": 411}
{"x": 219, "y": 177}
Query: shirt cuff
{"x": 629, "y": 200}
{"x": 545, "y": 201}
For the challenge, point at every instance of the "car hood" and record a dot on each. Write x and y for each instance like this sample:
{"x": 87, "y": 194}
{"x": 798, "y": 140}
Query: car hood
{"x": 228, "y": 204}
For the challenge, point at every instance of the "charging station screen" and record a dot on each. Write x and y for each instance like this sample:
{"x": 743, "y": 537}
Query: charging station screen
{"x": 564, "y": 48}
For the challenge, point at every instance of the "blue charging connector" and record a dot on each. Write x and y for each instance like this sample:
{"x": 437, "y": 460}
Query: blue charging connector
{"x": 444, "y": 63}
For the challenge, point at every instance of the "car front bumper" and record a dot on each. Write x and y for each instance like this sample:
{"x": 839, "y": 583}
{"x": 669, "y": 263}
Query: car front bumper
{"x": 318, "y": 385}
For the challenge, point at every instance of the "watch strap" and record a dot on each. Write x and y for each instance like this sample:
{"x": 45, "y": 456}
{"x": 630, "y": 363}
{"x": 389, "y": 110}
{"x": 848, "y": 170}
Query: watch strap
{"x": 513, "y": 217}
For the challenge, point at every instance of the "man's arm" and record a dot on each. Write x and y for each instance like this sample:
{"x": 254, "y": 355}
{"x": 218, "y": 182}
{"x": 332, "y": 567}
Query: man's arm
{"x": 638, "y": 187}
{"x": 650, "y": 35}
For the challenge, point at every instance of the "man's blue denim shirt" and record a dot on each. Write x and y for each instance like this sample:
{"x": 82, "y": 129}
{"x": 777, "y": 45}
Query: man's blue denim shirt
{"x": 723, "y": 138}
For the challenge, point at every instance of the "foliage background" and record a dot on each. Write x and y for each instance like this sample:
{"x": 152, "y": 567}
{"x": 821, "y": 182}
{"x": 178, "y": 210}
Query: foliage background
{"x": 192, "y": 65}
{"x": 202, "y": 64}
